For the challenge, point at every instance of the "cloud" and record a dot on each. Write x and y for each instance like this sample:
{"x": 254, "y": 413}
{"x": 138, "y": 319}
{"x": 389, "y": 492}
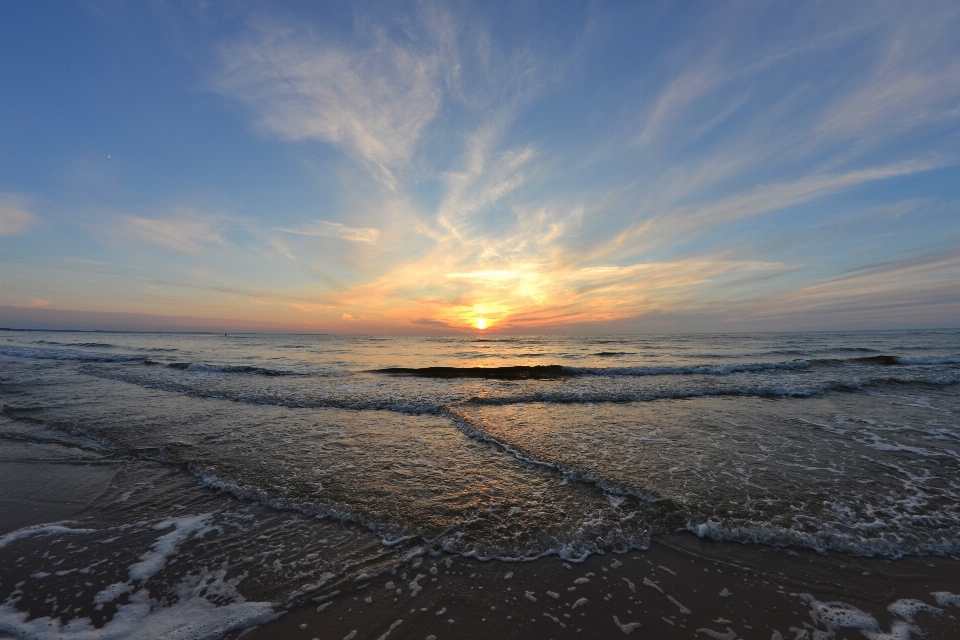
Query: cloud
{"x": 912, "y": 82}
{"x": 14, "y": 219}
{"x": 675, "y": 99}
{"x": 427, "y": 322}
{"x": 185, "y": 232}
{"x": 889, "y": 283}
{"x": 324, "y": 229}
{"x": 374, "y": 102}
{"x": 772, "y": 197}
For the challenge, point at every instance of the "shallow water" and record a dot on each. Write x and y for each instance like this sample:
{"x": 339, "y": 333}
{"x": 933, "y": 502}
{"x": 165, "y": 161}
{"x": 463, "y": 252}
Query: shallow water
{"x": 834, "y": 441}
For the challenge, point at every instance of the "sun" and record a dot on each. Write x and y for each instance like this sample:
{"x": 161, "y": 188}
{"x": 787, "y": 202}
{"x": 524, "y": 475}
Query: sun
{"x": 481, "y": 323}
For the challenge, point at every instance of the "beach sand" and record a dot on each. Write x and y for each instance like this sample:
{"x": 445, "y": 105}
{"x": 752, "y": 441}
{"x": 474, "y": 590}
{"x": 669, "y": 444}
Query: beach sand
{"x": 681, "y": 587}
{"x": 39, "y": 492}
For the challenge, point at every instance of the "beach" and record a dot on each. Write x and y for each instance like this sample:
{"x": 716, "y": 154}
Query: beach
{"x": 679, "y": 587}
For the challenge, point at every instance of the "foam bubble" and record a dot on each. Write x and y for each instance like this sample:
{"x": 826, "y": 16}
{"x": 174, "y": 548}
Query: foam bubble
{"x": 908, "y": 608}
{"x": 41, "y": 529}
{"x": 839, "y": 615}
{"x": 946, "y": 599}
{"x": 166, "y": 546}
{"x": 627, "y": 627}
{"x": 191, "y": 617}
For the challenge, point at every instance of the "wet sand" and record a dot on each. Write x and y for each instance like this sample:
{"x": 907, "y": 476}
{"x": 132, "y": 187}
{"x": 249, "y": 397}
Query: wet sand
{"x": 681, "y": 587}
{"x": 40, "y": 492}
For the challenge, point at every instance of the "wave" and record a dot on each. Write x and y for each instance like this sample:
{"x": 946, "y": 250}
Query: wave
{"x": 387, "y": 399}
{"x": 86, "y": 357}
{"x": 830, "y": 538}
{"x": 708, "y": 370}
{"x": 68, "y": 354}
{"x": 891, "y": 361}
{"x": 208, "y": 368}
{"x": 556, "y": 371}
{"x": 855, "y": 538}
{"x": 933, "y": 360}
{"x": 589, "y": 397}
{"x": 767, "y": 391}
{"x": 94, "y": 345}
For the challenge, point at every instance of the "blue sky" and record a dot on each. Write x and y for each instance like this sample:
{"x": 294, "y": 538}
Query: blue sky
{"x": 544, "y": 167}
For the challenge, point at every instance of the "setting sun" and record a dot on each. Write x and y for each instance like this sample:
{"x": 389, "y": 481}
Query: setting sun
{"x": 481, "y": 323}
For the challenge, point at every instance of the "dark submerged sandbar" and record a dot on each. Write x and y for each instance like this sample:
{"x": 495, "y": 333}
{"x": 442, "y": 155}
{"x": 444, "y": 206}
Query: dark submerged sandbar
{"x": 520, "y": 372}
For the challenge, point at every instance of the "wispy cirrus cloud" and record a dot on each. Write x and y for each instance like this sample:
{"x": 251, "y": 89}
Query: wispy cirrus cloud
{"x": 14, "y": 216}
{"x": 185, "y": 232}
{"x": 891, "y": 291}
{"x": 325, "y": 229}
{"x": 374, "y": 101}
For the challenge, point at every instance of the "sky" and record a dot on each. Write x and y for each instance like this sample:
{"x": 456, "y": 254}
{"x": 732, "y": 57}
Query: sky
{"x": 518, "y": 167}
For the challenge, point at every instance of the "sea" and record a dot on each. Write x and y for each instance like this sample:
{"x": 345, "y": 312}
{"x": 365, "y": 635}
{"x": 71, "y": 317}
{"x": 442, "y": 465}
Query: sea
{"x": 248, "y": 473}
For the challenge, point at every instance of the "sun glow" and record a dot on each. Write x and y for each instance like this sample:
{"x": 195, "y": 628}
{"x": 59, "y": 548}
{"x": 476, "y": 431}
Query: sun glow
{"x": 481, "y": 323}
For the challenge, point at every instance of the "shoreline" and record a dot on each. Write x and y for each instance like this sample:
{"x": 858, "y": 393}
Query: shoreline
{"x": 34, "y": 492}
{"x": 681, "y": 587}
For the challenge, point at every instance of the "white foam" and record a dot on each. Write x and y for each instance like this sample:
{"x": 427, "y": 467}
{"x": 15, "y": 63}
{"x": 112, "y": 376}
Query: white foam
{"x": 152, "y": 561}
{"x": 716, "y": 635}
{"x": 650, "y": 583}
{"x": 111, "y": 593}
{"x": 311, "y": 588}
{"x": 390, "y": 630}
{"x": 899, "y": 630}
{"x": 192, "y": 617}
{"x": 839, "y": 615}
{"x": 41, "y": 529}
{"x": 414, "y": 585}
{"x": 946, "y": 599}
{"x": 907, "y": 608}
{"x": 683, "y": 609}
{"x": 628, "y": 627}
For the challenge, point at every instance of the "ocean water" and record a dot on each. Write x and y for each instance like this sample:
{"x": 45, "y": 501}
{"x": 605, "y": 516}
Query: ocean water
{"x": 253, "y": 470}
